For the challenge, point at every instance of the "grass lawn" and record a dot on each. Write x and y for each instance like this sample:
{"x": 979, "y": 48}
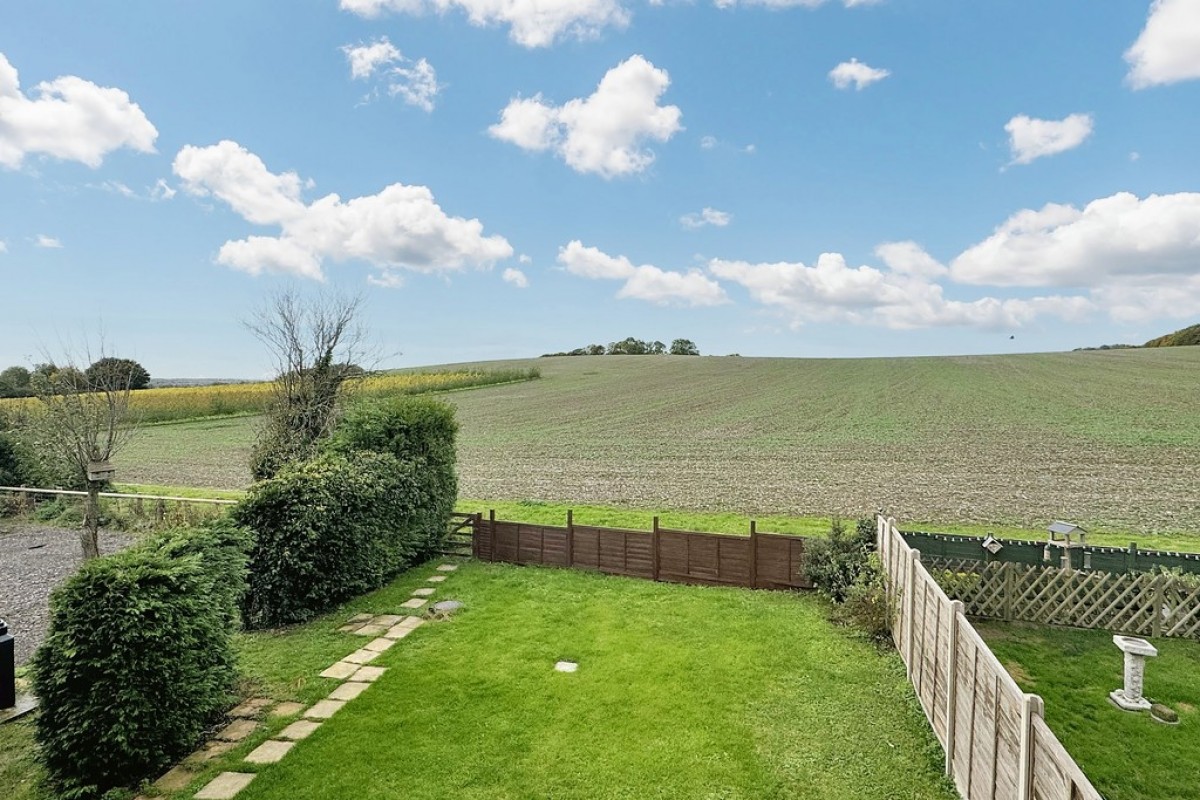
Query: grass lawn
{"x": 1127, "y": 756}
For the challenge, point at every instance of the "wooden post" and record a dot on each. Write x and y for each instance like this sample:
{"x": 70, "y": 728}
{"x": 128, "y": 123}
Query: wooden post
{"x": 570, "y": 538}
{"x": 1131, "y": 558}
{"x": 1031, "y": 706}
{"x": 753, "y": 554}
{"x": 654, "y": 549}
{"x": 910, "y": 600}
{"x": 956, "y": 611}
{"x": 492, "y": 530}
{"x": 1009, "y": 579}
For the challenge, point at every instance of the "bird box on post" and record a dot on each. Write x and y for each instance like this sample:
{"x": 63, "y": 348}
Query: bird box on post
{"x": 1065, "y": 535}
{"x": 100, "y": 471}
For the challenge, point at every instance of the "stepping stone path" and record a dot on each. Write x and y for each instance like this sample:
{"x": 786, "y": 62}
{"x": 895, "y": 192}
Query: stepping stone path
{"x": 385, "y": 630}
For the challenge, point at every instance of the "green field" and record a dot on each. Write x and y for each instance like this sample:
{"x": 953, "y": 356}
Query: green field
{"x": 1109, "y": 439}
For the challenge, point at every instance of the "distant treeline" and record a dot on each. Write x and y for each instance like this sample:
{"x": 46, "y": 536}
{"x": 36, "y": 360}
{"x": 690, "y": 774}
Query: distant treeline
{"x": 1180, "y": 338}
{"x": 633, "y": 347}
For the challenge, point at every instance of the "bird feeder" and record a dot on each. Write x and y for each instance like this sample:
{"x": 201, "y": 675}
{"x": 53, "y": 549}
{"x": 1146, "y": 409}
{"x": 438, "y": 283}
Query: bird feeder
{"x": 100, "y": 471}
{"x": 1066, "y": 536}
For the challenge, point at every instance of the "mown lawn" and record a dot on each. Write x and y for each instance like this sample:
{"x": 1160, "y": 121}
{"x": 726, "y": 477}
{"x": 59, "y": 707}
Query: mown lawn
{"x": 1127, "y": 756}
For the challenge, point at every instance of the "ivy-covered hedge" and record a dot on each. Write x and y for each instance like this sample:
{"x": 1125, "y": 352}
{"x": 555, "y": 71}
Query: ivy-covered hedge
{"x": 139, "y": 659}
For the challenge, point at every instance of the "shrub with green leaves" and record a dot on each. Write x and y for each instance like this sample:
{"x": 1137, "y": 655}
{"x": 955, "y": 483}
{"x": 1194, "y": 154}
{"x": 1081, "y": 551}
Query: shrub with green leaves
{"x": 834, "y": 564}
{"x": 326, "y": 530}
{"x": 867, "y": 604}
{"x": 139, "y": 658}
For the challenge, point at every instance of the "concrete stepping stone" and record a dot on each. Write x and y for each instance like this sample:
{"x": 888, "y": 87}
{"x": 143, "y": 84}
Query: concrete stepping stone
{"x": 371, "y": 630}
{"x": 424, "y": 591}
{"x": 269, "y": 752}
{"x": 447, "y": 567}
{"x": 252, "y": 708}
{"x": 225, "y": 786}
{"x": 435, "y": 578}
{"x": 364, "y": 617}
{"x": 288, "y": 709}
{"x": 387, "y": 620}
{"x": 237, "y": 730}
{"x": 363, "y": 656}
{"x": 324, "y": 709}
{"x": 340, "y": 671}
{"x": 348, "y": 691}
{"x": 379, "y": 645}
{"x": 350, "y": 628}
{"x": 300, "y": 729}
{"x": 210, "y": 751}
{"x": 415, "y": 602}
{"x": 368, "y": 674}
{"x": 174, "y": 779}
{"x": 410, "y": 622}
{"x": 398, "y": 632}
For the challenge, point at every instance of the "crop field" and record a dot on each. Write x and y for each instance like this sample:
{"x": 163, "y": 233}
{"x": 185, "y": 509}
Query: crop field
{"x": 1109, "y": 439}
{"x": 177, "y": 403}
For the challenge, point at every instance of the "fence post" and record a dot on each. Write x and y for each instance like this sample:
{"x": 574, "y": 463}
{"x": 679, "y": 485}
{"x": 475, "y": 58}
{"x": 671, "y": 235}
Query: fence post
{"x": 753, "y": 554}
{"x": 654, "y": 549}
{"x": 1159, "y": 596}
{"x": 910, "y": 601}
{"x": 956, "y": 611}
{"x": 492, "y": 530}
{"x": 570, "y": 538}
{"x": 1009, "y": 580}
{"x": 1031, "y": 706}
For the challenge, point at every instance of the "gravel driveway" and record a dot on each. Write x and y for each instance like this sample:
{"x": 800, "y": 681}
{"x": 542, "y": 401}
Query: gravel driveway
{"x": 33, "y": 560}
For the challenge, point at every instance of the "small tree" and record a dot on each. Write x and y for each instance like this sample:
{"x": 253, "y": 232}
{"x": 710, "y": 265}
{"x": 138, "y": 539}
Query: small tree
{"x": 684, "y": 347}
{"x": 14, "y": 382}
{"x": 118, "y": 370}
{"x": 83, "y": 423}
{"x": 316, "y": 344}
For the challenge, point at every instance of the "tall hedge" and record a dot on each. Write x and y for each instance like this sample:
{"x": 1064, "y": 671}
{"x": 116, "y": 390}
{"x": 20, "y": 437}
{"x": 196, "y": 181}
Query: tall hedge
{"x": 326, "y": 530}
{"x": 139, "y": 658}
{"x": 416, "y": 430}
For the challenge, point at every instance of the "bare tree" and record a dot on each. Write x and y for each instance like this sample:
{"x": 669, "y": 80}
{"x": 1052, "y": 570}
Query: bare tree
{"x": 84, "y": 424}
{"x": 318, "y": 346}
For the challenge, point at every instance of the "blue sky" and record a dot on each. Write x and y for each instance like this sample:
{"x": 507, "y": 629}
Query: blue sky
{"x": 501, "y": 179}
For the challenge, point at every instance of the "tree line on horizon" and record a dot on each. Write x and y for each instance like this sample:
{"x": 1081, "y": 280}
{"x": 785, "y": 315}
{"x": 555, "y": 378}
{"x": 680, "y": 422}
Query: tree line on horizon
{"x": 633, "y": 347}
{"x": 1183, "y": 337}
{"x": 17, "y": 381}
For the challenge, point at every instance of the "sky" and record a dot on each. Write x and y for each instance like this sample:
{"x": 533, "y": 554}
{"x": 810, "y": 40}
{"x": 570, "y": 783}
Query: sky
{"x": 505, "y": 178}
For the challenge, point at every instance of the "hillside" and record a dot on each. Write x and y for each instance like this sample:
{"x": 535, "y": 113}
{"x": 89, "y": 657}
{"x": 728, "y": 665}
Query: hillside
{"x": 1180, "y": 338}
{"x": 1107, "y": 438}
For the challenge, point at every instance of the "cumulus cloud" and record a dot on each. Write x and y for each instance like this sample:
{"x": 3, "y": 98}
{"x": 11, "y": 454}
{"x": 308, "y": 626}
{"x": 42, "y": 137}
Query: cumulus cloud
{"x": 531, "y": 24}
{"x": 778, "y": 4}
{"x": 68, "y": 118}
{"x": 856, "y": 73}
{"x": 161, "y": 190}
{"x": 401, "y": 227}
{"x": 366, "y": 59}
{"x": 708, "y": 142}
{"x": 3, "y": 246}
{"x": 909, "y": 258}
{"x": 416, "y": 85}
{"x": 48, "y": 242}
{"x": 645, "y": 282}
{"x": 1030, "y": 138}
{"x": 832, "y": 291}
{"x": 414, "y": 82}
{"x": 602, "y": 133}
{"x": 1168, "y": 49}
{"x": 706, "y": 216}
{"x": 516, "y": 278}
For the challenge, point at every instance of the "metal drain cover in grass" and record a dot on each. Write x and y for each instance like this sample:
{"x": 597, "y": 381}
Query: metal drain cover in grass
{"x": 566, "y": 666}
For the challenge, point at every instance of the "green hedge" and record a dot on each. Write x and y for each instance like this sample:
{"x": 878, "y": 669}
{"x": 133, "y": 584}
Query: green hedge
{"x": 416, "y": 430}
{"x": 139, "y": 659}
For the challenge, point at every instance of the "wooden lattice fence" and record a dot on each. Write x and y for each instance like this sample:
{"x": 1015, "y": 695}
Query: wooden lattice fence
{"x": 1140, "y": 604}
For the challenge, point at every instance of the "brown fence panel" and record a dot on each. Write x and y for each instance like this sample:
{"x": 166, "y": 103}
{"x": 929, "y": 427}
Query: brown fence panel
{"x": 780, "y": 562}
{"x": 704, "y": 558}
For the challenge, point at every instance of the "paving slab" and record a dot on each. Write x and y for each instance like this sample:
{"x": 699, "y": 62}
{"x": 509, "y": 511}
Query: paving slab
{"x": 415, "y": 602}
{"x": 399, "y": 632}
{"x": 269, "y": 752}
{"x": 340, "y": 671}
{"x": 364, "y": 617}
{"x": 379, "y": 645}
{"x": 368, "y": 674}
{"x": 324, "y": 709}
{"x": 348, "y": 691}
{"x": 175, "y": 779}
{"x": 252, "y": 707}
{"x": 387, "y": 620}
{"x": 210, "y": 751}
{"x": 447, "y": 567}
{"x": 225, "y": 786}
{"x": 237, "y": 730}
{"x": 300, "y": 729}
{"x": 288, "y": 709}
{"x": 411, "y": 622}
{"x": 350, "y": 628}
{"x": 363, "y": 656}
{"x": 424, "y": 591}
{"x": 435, "y": 578}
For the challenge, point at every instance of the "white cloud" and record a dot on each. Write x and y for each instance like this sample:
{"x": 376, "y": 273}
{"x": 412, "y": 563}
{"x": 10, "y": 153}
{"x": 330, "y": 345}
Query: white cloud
{"x": 365, "y": 59}
{"x": 49, "y": 242}
{"x": 70, "y": 118}
{"x": 646, "y": 282}
{"x": 909, "y": 258}
{"x": 602, "y": 133}
{"x": 708, "y": 142}
{"x": 387, "y": 279}
{"x": 416, "y": 84}
{"x": 707, "y": 216}
{"x": 161, "y": 190}
{"x": 516, "y": 278}
{"x": 1168, "y": 49}
{"x": 778, "y": 4}
{"x": 1030, "y": 138}
{"x": 3, "y": 246}
{"x": 857, "y": 73}
{"x": 532, "y": 24}
{"x": 524, "y": 259}
{"x": 831, "y": 291}
{"x": 401, "y": 227}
